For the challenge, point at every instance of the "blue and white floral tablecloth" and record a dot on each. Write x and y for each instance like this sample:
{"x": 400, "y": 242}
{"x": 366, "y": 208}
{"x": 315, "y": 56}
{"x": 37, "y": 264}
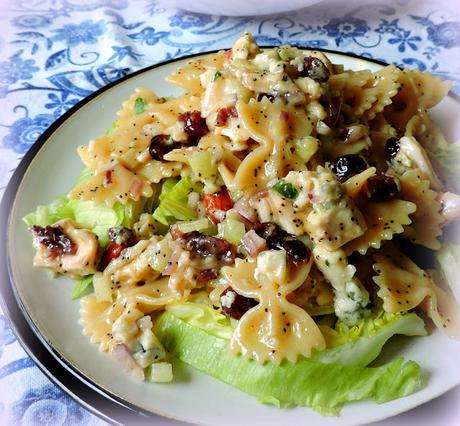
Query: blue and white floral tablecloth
{"x": 55, "y": 52}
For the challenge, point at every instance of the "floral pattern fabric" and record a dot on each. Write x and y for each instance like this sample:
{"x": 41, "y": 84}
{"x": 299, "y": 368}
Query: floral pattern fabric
{"x": 53, "y": 53}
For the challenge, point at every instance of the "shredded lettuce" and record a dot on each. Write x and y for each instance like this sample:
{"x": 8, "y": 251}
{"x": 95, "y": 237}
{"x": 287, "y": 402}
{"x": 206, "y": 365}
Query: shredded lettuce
{"x": 358, "y": 345}
{"x": 204, "y": 317}
{"x": 96, "y": 217}
{"x": 174, "y": 201}
{"x": 47, "y": 215}
{"x": 323, "y": 387}
{"x": 82, "y": 287}
{"x": 362, "y": 343}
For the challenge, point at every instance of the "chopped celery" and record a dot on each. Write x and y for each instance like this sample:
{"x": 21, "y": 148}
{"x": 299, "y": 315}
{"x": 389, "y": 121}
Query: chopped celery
{"x": 174, "y": 201}
{"x": 287, "y": 53}
{"x": 306, "y": 147}
{"x": 161, "y": 372}
{"x": 161, "y": 255}
{"x": 102, "y": 287}
{"x": 231, "y": 229}
{"x": 203, "y": 225}
{"x": 202, "y": 164}
{"x": 82, "y": 287}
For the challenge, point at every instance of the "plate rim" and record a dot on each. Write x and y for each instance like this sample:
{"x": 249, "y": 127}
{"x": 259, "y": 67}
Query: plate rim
{"x": 29, "y": 336}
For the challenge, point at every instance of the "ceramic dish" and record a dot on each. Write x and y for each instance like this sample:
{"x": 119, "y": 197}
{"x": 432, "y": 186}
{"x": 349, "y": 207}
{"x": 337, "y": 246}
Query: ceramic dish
{"x": 49, "y": 169}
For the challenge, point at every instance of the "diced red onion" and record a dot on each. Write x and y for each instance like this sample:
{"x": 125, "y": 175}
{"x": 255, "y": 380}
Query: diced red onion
{"x": 122, "y": 354}
{"x": 172, "y": 264}
{"x": 285, "y": 116}
{"x": 135, "y": 188}
{"x": 253, "y": 243}
{"x": 243, "y": 209}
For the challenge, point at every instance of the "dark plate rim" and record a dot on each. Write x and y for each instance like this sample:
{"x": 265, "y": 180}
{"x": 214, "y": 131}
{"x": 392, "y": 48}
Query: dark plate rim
{"x": 91, "y": 396}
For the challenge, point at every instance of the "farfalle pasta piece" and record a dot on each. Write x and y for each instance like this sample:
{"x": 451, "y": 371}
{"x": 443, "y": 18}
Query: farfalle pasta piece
{"x": 426, "y": 220}
{"x": 275, "y": 329}
{"x": 188, "y": 77}
{"x": 115, "y": 183}
{"x": 404, "y": 286}
{"x": 383, "y": 219}
{"x": 366, "y": 93}
{"x": 357, "y": 140}
{"x": 265, "y": 125}
{"x": 152, "y": 296}
{"x": 418, "y": 92}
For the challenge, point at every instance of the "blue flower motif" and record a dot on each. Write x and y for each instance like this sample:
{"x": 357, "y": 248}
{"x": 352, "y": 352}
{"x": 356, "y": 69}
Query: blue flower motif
{"x": 404, "y": 38}
{"x": 184, "y": 20}
{"x": 60, "y": 104}
{"x": 445, "y": 35}
{"x": 347, "y": 27}
{"x": 25, "y": 131}
{"x": 47, "y": 406}
{"x": 31, "y": 21}
{"x": 87, "y": 32}
{"x": 388, "y": 27}
{"x": 16, "y": 69}
{"x": 148, "y": 36}
{"x": 264, "y": 40}
{"x": 6, "y": 335}
{"x": 123, "y": 52}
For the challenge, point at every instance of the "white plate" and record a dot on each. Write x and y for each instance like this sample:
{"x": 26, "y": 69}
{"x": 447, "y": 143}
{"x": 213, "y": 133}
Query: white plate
{"x": 238, "y": 7}
{"x": 193, "y": 397}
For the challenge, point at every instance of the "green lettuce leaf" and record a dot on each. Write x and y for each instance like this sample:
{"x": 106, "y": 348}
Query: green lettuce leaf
{"x": 82, "y": 287}
{"x": 174, "y": 201}
{"x": 98, "y": 218}
{"x": 358, "y": 345}
{"x": 323, "y": 387}
{"x": 361, "y": 344}
{"x": 47, "y": 215}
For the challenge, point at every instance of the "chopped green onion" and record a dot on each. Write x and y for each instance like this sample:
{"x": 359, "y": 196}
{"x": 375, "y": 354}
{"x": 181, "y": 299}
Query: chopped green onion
{"x": 217, "y": 75}
{"x": 139, "y": 105}
{"x": 286, "y": 189}
{"x": 82, "y": 287}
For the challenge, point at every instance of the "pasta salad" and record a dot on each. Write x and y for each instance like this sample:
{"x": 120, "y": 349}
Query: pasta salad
{"x": 262, "y": 226}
